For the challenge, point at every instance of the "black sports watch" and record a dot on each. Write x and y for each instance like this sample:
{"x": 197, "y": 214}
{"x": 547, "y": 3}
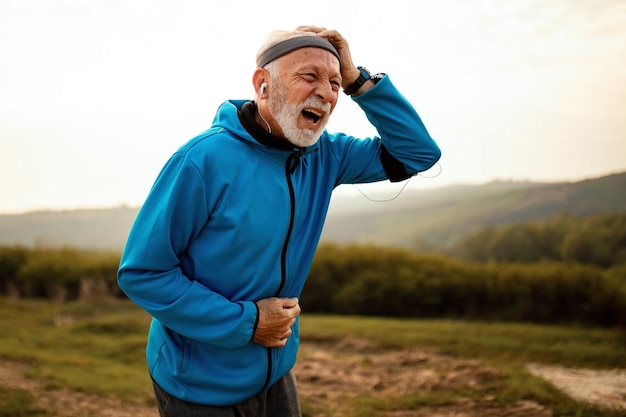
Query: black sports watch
{"x": 364, "y": 76}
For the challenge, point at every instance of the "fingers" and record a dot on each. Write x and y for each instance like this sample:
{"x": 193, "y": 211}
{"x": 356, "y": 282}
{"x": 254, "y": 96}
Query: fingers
{"x": 293, "y": 310}
{"x": 282, "y": 341}
{"x": 309, "y": 28}
{"x": 276, "y": 318}
{"x": 288, "y": 302}
{"x": 349, "y": 72}
{"x": 274, "y": 340}
{"x": 332, "y": 35}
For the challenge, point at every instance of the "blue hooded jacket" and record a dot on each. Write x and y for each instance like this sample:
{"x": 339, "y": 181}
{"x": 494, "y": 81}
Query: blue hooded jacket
{"x": 230, "y": 221}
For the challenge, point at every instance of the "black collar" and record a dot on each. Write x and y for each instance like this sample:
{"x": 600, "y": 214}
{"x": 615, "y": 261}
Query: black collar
{"x": 247, "y": 118}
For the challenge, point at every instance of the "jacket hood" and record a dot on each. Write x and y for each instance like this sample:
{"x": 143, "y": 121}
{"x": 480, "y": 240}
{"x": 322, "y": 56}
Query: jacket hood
{"x": 237, "y": 116}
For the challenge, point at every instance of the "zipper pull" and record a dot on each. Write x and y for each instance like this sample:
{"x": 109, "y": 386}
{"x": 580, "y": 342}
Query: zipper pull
{"x": 294, "y": 160}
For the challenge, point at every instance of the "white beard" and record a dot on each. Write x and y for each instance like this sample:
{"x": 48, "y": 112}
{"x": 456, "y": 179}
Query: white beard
{"x": 286, "y": 115}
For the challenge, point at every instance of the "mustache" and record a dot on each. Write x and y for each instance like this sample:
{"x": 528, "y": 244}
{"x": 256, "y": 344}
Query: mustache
{"x": 317, "y": 103}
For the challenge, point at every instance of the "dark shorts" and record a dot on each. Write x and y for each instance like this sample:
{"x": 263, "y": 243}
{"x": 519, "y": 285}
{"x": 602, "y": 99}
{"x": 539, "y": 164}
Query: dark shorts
{"x": 280, "y": 400}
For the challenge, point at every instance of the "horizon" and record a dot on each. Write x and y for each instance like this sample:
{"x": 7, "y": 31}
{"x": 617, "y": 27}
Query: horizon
{"x": 375, "y": 191}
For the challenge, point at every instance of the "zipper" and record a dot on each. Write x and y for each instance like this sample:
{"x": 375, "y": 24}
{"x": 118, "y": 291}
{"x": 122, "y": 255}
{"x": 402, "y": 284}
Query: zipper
{"x": 269, "y": 369}
{"x": 290, "y": 166}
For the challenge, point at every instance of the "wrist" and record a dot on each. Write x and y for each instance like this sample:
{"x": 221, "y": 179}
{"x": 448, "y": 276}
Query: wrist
{"x": 358, "y": 82}
{"x": 350, "y": 78}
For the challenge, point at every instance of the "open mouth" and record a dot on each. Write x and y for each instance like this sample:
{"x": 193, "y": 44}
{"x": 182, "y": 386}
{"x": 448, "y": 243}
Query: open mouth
{"x": 312, "y": 115}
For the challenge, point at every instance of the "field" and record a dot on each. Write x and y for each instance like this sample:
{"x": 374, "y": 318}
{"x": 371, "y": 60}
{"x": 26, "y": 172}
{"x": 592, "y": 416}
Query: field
{"x": 87, "y": 359}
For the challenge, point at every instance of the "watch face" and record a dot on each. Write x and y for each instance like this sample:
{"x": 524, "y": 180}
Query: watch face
{"x": 377, "y": 77}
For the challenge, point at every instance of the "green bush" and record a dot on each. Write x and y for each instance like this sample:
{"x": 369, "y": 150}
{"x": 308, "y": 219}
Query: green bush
{"x": 370, "y": 280}
{"x": 595, "y": 240}
{"x": 56, "y": 273}
{"x": 390, "y": 282}
{"x": 11, "y": 259}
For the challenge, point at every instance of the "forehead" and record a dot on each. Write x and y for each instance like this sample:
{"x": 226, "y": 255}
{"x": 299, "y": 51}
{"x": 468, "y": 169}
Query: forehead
{"x": 317, "y": 58}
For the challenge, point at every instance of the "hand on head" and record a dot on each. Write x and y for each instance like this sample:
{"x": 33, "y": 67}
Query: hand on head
{"x": 349, "y": 71}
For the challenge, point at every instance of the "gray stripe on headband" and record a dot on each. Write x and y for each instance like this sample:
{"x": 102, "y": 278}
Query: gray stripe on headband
{"x": 290, "y": 45}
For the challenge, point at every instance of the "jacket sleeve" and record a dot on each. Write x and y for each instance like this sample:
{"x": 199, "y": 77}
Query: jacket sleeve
{"x": 150, "y": 269}
{"x": 404, "y": 146}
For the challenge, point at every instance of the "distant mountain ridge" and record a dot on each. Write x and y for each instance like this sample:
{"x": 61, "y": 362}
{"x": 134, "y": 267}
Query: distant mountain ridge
{"x": 434, "y": 217}
{"x": 440, "y": 217}
{"x": 104, "y": 228}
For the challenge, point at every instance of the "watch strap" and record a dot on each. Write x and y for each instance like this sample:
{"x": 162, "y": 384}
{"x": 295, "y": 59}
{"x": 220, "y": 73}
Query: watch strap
{"x": 354, "y": 87}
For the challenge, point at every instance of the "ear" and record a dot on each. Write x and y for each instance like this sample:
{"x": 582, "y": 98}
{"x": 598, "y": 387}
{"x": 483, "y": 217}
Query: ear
{"x": 259, "y": 78}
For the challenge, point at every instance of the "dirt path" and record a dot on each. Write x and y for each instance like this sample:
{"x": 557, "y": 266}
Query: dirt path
{"x": 600, "y": 387}
{"x": 330, "y": 375}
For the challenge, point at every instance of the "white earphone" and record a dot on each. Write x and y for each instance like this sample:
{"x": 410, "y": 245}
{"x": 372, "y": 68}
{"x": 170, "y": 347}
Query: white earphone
{"x": 263, "y": 88}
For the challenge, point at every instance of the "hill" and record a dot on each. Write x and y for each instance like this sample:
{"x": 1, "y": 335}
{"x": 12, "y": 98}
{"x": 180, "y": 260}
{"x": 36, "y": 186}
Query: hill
{"x": 105, "y": 228}
{"x": 437, "y": 218}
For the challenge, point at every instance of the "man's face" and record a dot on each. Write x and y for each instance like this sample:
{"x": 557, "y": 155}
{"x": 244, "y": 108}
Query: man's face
{"x": 304, "y": 94}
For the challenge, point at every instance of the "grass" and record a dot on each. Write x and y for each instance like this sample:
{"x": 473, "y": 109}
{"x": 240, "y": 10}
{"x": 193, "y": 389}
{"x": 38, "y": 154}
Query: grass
{"x": 92, "y": 347}
{"x": 19, "y": 403}
{"x": 500, "y": 343}
{"x": 98, "y": 347}
{"x": 507, "y": 347}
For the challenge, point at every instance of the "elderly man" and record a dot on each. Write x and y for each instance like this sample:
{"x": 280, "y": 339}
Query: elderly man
{"x": 220, "y": 251}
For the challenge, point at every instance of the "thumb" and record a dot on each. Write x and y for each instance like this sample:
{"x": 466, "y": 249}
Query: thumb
{"x": 290, "y": 302}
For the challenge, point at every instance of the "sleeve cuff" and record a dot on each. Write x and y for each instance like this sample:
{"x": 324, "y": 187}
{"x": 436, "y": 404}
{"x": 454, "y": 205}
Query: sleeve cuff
{"x": 394, "y": 169}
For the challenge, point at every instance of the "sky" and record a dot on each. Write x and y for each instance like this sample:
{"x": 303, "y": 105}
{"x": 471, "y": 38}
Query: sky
{"x": 95, "y": 95}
